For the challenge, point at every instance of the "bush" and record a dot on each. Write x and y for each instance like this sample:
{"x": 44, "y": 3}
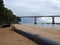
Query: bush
{"x": 0, "y": 26}
{"x": 12, "y": 28}
{"x": 5, "y": 25}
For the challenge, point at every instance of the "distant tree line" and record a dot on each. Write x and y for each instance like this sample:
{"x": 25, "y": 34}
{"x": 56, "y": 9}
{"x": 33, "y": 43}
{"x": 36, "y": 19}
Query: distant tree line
{"x": 6, "y": 15}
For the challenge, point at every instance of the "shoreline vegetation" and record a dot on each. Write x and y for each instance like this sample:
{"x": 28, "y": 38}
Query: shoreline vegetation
{"x": 6, "y": 15}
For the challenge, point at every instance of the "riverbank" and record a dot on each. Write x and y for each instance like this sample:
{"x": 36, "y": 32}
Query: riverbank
{"x": 9, "y": 37}
{"x": 48, "y": 33}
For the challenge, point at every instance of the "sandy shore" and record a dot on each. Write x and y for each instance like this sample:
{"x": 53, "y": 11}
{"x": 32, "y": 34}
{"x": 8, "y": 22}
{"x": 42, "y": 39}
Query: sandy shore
{"x": 8, "y": 37}
{"x": 45, "y": 32}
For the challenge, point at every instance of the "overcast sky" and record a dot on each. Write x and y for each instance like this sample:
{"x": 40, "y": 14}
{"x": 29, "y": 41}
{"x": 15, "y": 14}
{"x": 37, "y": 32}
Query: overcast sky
{"x": 33, "y": 7}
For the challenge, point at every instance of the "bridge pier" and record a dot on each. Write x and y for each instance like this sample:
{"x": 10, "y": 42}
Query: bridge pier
{"x": 53, "y": 21}
{"x": 35, "y": 20}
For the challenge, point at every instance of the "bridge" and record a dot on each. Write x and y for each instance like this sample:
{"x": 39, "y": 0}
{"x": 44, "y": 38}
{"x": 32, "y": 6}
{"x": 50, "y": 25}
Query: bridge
{"x": 35, "y": 18}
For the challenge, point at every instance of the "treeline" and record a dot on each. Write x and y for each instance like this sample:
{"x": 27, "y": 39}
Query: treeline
{"x": 6, "y": 15}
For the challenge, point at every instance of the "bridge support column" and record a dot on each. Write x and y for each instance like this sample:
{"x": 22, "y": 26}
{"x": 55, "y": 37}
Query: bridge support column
{"x": 35, "y": 20}
{"x": 53, "y": 22}
{"x": 20, "y": 21}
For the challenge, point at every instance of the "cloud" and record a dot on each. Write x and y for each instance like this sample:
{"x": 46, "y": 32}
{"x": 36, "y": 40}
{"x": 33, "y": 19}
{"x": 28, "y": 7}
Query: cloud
{"x": 47, "y": 18}
{"x": 33, "y": 7}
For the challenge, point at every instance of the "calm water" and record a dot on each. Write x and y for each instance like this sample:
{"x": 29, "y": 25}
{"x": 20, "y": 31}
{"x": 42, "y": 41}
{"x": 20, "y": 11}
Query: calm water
{"x": 55, "y": 26}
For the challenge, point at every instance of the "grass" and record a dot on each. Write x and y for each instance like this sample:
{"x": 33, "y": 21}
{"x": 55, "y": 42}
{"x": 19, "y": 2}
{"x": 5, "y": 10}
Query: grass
{"x": 0, "y": 26}
{"x": 12, "y": 28}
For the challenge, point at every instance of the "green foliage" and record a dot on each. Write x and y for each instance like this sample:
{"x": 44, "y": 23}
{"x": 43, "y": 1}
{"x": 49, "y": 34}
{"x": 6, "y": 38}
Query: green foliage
{"x": 1, "y": 6}
{"x": 12, "y": 28}
{"x": 18, "y": 19}
{"x": 6, "y": 15}
{"x": 1, "y": 10}
{"x": 0, "y": 26}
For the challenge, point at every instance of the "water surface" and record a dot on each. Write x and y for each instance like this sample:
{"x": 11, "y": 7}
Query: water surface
{"x": 55, "y": 26}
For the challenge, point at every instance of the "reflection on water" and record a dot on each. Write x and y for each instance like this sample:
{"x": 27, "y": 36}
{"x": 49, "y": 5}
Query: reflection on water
{"x": 55, "y": 26}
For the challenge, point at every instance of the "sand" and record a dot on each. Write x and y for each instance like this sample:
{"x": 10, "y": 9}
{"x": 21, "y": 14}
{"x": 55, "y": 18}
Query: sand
{"x": 9, "y": 37}
{"x": 52, "y": 34}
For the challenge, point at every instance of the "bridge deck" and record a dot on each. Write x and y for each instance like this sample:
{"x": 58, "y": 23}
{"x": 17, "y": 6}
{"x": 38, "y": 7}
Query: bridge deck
{"x": 36, "y": 16}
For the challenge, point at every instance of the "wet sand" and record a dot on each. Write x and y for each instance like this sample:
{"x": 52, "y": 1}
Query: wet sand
{"x": 45, "y": 32}
{"x": 9, "y": 37}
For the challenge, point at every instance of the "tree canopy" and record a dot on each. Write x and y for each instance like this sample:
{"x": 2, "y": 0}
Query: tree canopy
{"x": 6, "y": 15}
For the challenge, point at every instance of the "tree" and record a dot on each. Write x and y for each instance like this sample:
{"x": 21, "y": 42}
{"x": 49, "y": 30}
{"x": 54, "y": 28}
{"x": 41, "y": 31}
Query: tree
{"x": 9, "y": 17}
{"x": 6, "y": 15}
{"x": 1, "y": 6}
{"x": 18, "y": 18}
{"x": 1, "y": 10}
